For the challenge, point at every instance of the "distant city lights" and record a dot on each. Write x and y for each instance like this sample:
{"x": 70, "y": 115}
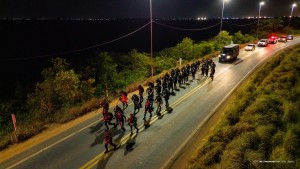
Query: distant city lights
{"x": 201, "y": 18}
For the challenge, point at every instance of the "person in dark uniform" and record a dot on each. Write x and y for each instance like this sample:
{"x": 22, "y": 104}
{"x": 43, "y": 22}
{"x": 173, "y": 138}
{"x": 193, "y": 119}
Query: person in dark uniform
{"x": 150, "y": 92}
{"x": 141, "y": 92}
{"x": 132, "y": 122}
{"x": 206, "y": 68}
{"x": 135, "y": 99}
{"x": 193, "y": 71}
{"x": 108, "y": 140}
{"x": 180, "y": 79}
{"x": 158, "y": 88}
{"x": 203, "y": 69}
{"x": 117, "y": 109}
{"x": 105, "y": 105}
{"x": 166, "y": 95}
{"x": 170, "y": 84}
{"x": 159, "y": 102}
{"x": 212, "y": 70}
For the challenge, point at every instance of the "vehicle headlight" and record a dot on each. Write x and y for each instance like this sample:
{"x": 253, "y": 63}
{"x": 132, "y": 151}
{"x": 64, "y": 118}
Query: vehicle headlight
{"x": 219, "y": 56}
{"x": 228, "y": 56}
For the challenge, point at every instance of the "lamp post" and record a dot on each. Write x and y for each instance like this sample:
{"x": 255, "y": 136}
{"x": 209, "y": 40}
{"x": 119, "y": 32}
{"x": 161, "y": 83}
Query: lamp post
{"x": 293, "y": 6}
{"x": 260, "y": 4}
{"x": 222, "y": 15}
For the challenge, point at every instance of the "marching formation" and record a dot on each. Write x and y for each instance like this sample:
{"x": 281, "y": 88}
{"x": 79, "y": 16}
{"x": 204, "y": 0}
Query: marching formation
{"x": 163, "y": 89}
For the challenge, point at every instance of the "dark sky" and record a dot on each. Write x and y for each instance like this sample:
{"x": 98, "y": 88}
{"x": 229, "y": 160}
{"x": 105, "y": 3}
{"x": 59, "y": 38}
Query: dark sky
{"x": 140, "y": 8}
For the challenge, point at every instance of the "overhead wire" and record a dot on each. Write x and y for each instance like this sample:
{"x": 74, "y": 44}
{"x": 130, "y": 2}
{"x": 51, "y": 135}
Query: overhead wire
{"x": 79, "y": 50}
{"x": 184, "y": 29}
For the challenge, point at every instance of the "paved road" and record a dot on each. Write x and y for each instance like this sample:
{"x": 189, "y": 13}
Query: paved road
{"x": 155, "y": 146}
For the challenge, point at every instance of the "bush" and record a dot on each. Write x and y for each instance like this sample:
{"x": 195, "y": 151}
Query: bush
{"x": 290, "y": 143}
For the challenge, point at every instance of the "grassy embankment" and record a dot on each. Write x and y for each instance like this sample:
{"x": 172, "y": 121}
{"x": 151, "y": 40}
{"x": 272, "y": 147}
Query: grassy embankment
{"x": 262, "y": 122}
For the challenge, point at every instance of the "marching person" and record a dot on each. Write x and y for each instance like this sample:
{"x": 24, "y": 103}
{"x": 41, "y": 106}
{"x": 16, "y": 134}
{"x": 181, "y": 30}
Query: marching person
{"x": 135, "y": 99}
{"x": 108, "y": 140}
{"x": 105, "y": 105}
{"x": 124, "y": 99}
{"x": 207, "y": 67}
{"x": 132, "y": 122}
{"x": 121, "y": 120}
{"x": 107, "y": 117}
{"x": 147, "y": 109}
{"x": 159, "y": 102}
{"x": 141, "y": 92}
{"x": 212, "y": 71}
{"x": 166, "y": 95}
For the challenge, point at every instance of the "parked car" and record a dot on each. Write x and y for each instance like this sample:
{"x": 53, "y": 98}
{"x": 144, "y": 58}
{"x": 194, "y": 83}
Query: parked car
{"x": 290, "y": 37}
{"x": 250, "y": 47}
{"x": 263, "y": 42}
{"x": 282, "y": 39}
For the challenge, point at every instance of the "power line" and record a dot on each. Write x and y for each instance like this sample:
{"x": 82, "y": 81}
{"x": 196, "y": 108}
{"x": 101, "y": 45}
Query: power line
{"x": 79, "y": 50}
{"x": 183, "y": 29}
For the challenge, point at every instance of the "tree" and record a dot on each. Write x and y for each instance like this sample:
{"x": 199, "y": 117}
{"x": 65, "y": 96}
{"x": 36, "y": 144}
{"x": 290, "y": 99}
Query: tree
{"x": 268, "y": 26}
{"x": 184, "y": 49}
{"x": 222, "y": 39}
{"x": 59, "y": 89}
{"x": 106, "y": 73}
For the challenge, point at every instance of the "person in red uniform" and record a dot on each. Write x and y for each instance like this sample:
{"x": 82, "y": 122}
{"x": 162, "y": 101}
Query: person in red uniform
{"x": 147, "y": 109}
{"x": 124, "y": 100}
{"x": 107, "y": 117}
{"x": 121, "y": 120}
{"x": 132, "y": 122}
{"x": 108, "y": 140}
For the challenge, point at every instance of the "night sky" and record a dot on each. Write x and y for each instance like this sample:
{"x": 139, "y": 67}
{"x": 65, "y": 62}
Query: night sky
{"x": 140, "y": 8}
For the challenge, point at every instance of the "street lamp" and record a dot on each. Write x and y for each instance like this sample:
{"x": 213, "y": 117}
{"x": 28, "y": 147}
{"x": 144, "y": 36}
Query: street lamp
{"x": 260, "y": 4}
{"x": 293, "y": 6}
{"x": 222, "y": 14}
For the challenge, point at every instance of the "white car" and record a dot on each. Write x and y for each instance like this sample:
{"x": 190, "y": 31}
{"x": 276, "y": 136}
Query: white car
{"x": 250, "y": 47}
{"x": 263, "y": 42}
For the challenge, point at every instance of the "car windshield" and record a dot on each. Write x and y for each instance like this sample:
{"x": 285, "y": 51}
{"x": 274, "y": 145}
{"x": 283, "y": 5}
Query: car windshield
{"x": 227, "y": 50}
{"x": 250, "y": 45}
{"x": 263, "y": 40}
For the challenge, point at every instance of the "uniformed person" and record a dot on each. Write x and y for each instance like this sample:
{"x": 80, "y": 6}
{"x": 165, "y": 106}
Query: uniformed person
{"x": 108, "y": 140}
{"x": 147, "y": 109}
{"x": 141, "y": 92}
{"x": 124, "y": 99}
{"x": 132, "y": 122}
{"x": 166, "y": 95}
{"x": 135, "y": 99}
{"x": 121, "y": 120}
{"x": 159, "y": 102}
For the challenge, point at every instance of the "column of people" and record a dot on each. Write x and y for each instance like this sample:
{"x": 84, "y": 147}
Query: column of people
{"x": 163, "y": 88}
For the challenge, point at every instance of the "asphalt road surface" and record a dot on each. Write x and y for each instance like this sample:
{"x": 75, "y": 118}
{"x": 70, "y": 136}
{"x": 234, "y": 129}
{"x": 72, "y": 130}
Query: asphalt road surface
{"x": 158, "y": 144}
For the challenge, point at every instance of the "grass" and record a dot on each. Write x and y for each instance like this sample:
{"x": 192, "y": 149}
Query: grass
{"x": 262, "y": 122}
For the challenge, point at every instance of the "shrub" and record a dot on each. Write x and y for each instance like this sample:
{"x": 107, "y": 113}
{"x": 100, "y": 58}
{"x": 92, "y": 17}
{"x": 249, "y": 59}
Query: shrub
{"x": 251, "y": 157}
{"x": 290, "y": 143}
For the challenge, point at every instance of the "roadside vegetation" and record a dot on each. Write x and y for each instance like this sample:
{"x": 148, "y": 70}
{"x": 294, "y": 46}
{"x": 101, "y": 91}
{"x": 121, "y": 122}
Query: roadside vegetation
{"x": 67, "y": 92}
{"x": 262, "y": 121}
